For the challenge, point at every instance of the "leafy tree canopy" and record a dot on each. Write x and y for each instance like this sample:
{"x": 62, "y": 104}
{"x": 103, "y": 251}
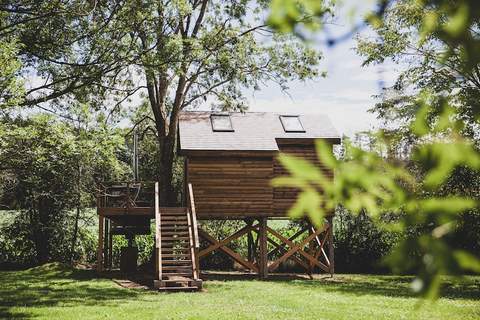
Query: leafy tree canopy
{"x": 177, "y": 53}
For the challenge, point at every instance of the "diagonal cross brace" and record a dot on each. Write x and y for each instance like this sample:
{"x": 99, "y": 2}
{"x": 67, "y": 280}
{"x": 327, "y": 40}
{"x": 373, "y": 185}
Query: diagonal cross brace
{"x": 221, "y": 245}
{"x": 298, "y": 248}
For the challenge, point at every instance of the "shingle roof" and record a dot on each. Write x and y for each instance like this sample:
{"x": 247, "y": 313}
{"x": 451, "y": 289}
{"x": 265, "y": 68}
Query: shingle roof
{"x": 253, "y": 131}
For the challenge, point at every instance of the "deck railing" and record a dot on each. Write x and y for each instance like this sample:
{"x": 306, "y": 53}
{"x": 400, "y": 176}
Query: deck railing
{"x": 193, "y": 230}
{"x": 128, "y": 194}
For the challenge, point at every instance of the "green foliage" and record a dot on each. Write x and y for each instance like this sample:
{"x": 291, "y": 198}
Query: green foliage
{"x": 11, "y": 89}
{"x": 361, "y": 244}
{"x": 49, "y": 171}
{"x": 285, "y": 14}
{"x": 178, "y": 54}
{"x": 439, "y": 126}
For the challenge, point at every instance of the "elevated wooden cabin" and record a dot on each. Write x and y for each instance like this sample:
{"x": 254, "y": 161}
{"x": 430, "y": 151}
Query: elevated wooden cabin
{"x": 230, "y": 159}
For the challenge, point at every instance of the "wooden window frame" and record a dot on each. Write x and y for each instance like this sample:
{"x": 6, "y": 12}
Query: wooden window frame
{"x": 221, "y": 130}
{"x": 292, "y": 131}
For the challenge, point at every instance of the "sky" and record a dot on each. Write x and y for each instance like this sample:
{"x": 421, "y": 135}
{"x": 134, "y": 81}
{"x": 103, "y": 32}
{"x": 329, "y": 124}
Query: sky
{"x": 346, "y": 94}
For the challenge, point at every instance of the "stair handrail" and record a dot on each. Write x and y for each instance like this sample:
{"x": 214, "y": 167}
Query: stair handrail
{"x": 158, "y": 236}
{"x": 194, "y": 215}
{"x": 194, "y": 229}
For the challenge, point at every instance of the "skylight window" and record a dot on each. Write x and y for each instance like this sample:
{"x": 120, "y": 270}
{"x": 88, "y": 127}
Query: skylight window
{"x": 221, "y": 123}
{"x": 291, "y": 124}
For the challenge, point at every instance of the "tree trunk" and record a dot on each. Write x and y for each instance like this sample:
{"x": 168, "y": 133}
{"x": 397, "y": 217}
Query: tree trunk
{"x": 165, "y": 177}
{"x": 41, "y": 232}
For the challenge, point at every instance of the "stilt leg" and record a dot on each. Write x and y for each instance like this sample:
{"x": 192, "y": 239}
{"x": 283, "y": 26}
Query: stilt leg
{"x": 263, "y": 254}
{"x": 251, "y": 252}
{"x": 110, "y": 245}
{"x": 101, "y": 221}
{"x": 330, "y": 246}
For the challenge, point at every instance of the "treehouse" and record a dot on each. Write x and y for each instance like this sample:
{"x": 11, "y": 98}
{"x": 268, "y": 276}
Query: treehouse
{"x": 230, "y": 159}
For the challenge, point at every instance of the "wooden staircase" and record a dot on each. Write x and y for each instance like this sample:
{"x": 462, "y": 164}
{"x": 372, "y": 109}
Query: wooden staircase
{"x": 176, "y": 240}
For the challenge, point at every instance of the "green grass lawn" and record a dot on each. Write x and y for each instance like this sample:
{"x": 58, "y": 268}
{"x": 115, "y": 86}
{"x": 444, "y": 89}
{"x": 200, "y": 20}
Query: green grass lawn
{"x": 55, "y": 292}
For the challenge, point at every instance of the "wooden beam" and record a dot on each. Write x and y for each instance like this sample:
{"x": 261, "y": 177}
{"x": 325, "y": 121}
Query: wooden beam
{"x": 282, "y": 246}
{"x": 226, "y": 250}
{"x": 101, "y": 221}
{"x": 297, "y": 248}
{"x": 132, "y": 211}
{"x": 263, "y": 253}
{"x": 217, "y": 244}
{"x": 192, "y": 246}
{"x": 321, "y": 245}
{"x": 158, "y": 236}
{"x": 106, "y": 242}
{"x": 330, "y": 246}
{"x": 196, "y": 242}
{"x": 110, "y": 245}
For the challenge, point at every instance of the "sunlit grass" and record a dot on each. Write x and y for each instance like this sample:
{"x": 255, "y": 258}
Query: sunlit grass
{"x": 56, "y": 292}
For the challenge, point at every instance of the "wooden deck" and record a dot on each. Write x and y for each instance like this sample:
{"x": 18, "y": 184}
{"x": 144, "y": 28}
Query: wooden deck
{"x": 132, "y": 211}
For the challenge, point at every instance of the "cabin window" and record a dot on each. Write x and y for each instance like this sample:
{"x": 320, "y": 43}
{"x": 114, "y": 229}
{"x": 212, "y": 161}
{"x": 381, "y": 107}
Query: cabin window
{"x": 221, "y": 122}
{"x": 291, "y": 124}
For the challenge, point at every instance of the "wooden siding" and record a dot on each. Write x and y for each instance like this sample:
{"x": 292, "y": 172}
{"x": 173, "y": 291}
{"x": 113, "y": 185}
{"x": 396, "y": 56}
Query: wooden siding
{"x": 231, "y": 187}
{"x": 284, "y": 198}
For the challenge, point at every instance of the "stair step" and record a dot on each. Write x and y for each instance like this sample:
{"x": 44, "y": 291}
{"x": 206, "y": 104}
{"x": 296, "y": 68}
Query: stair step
{"x": 176, "y": 262}
{"x": 172, "y": 233}
{"x": 173, "y": 214}
{"x": 170, "y": 255}
{"x": 175, "y": 268}
{"x": 173, "y": 217}
{"x": 175, "y": 238}
{"x": 177, "y": 274}
{"x": 174, "y": 222}
{"x": 172, "y": 209}
{"x": 174, "y": 228}
{"x": 175, "y": 249}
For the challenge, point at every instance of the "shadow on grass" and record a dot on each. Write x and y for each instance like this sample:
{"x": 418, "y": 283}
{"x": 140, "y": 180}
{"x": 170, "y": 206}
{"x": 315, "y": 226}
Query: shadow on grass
{"x": 386, "y": 286}
{"x": 53, "y": 284}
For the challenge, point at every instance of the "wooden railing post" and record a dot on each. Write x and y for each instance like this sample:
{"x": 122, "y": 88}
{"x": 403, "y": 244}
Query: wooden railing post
{"x": 158, "y": 236}
{"x": 196, "y": 241}
{"x": 194, "y": 215}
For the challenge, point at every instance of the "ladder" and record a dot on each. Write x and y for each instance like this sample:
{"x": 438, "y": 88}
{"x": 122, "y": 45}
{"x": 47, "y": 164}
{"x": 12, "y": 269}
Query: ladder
{"x": 176, "y": 246}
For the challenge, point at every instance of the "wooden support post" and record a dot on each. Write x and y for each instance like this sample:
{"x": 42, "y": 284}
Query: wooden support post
{"x": 250, "y": 253}
{"x": 263, "y": 254}
{"x": 106, "y": 249}
{"x": 196, "y": 239}
{"x": 110, "y": 245}
{"x": 330, "y": 246}
{"x": 101, "y": 220}
{"x": 158, "y": 238}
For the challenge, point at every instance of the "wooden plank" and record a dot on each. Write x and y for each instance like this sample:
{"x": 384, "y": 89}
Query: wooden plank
{"x": 225, "y": 241}
{"x": 227, "y": 250}
{"x": 196, "y": 241}
{"x": 101, "y": 221}
{"x": 292, "y": 238}
{"x": 132, "y": 211}
{"x": 279, "y": 247}
{"x": 194, "y": 215}
{"x": 331, "y": 255}
{"x": 263, "y": 253}
{"x": 158, "y": 234}
{"x": 191, "y": 246}
{"x": 297, "y": 248}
